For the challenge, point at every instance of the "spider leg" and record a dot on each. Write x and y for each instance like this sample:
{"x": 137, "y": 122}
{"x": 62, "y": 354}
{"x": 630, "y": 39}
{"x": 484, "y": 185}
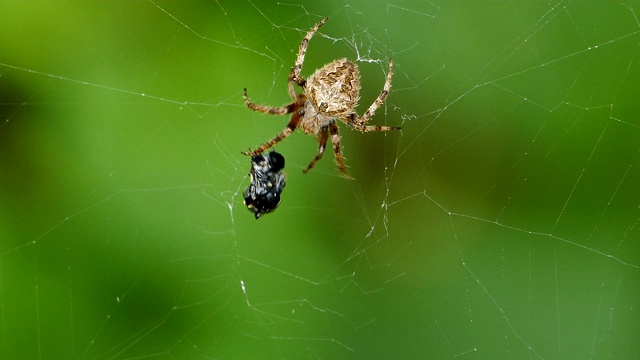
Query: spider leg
{"x": 335, "y": 139}
{"x": 322, "y": 139}
{"x": 293, "y": 123}
{"x": 291, "y": 84}
{"x": 357, "y": 124}
{"x": 297, "y": 67}
{"x": 282, "y": 110}
{"x": 381, "y": 98}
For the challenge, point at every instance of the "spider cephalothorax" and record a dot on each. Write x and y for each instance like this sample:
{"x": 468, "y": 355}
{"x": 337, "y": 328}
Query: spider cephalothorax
{"x": 331, "y": 93}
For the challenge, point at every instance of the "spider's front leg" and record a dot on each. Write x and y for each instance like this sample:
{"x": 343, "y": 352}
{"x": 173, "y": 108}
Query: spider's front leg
{"x": 293, "y": 124}
{"x": 291, "y": 85}
{"x": 282, "y": 110}
{"x": 297, "y": 67}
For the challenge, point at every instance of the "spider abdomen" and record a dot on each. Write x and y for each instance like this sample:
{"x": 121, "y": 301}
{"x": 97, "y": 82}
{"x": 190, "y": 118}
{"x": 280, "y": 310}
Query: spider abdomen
{"x": 334, "y": 89}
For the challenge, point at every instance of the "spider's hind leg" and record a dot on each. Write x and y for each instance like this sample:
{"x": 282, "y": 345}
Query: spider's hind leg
{"x": 337, "y": 150}
{"x": 355, "y": 123}
{"x": 381, "y": 98}
{"x": 335, "y": 141}
{"x": 322, "y": 139}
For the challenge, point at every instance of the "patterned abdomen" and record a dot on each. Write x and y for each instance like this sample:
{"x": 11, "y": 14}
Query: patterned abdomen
{"x": 334, "y": 89}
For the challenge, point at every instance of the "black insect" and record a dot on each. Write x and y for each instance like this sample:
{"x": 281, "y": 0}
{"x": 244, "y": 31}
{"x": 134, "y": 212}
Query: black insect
{"x": 267, "y": 182}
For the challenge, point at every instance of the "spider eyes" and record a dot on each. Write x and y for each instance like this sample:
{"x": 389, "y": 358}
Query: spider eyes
{"x": 267, "y": 183}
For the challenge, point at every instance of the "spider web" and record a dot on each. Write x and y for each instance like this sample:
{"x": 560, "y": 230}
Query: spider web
{"x": 501, "y": 222}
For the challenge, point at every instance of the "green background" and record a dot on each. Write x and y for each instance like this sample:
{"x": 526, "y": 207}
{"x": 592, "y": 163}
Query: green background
{"x": 502, "y": 222}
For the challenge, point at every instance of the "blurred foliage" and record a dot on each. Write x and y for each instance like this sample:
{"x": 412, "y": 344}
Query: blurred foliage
{"x": 500, "y": 223}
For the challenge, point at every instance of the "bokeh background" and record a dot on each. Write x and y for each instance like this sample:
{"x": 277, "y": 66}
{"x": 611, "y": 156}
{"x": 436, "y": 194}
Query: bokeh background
{"x": 500, "y": 223}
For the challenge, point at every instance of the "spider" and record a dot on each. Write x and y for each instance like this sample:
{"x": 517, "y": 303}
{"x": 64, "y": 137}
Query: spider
{"x": 330, "y": 93}
{"x": 267, "y": 182}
